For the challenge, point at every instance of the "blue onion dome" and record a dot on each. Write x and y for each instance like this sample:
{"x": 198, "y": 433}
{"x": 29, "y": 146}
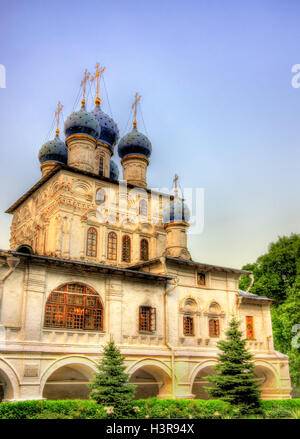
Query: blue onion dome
{"x": 176, "y": 212}
{"x": 82, "y": 122}
{"x": 109, "y": 131}
{"x": 134, "y": 143}
{"x": 114, "y": 171}
{"x": 54, "y": 151}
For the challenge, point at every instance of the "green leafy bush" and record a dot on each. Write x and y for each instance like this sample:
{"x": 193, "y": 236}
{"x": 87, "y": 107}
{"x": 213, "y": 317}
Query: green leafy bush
{"x": 144, "y": 408}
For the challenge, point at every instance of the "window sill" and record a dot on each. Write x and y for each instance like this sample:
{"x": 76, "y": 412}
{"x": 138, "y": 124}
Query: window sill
{"x": 148, "y": 332}
{"x": 78, "y": 331}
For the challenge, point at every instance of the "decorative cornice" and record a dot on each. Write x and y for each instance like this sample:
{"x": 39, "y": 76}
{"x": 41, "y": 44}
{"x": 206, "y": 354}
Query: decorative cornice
{"x": 81, "y": 136}
{"x": 182, "y": 223}
{"x": 135, "y": 156}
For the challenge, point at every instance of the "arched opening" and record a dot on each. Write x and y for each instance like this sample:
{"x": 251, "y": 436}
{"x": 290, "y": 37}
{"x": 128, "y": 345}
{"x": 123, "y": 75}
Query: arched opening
{"x": 143, "y": 208}
{"x": 69, "y": 382}
{"x": 151, "y": 381}
{"x": 126, "y": 248}
{"x": 24, "y": 248}
{"x": 100, "y": 196}
{"x": 74, "y": 306}
{"x": 266, "y": 380}
{"x": 112, "y": 246}
{"x": 91, "y": 242}
{"x": 144, "y": 250}
{"x": 200, "y": 383}
{"x": 6, "y": 390}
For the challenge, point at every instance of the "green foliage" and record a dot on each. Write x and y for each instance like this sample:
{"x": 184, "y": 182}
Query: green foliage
{"x": 234, "y": 381}
{"x": 66, "y": 409}
{"x": 285, "y": 317}
{"x": 111, "y": 387}
{"x": 186, "y": 409}
{"x": 277, "y": 275}
{"x": 276, "y": 272}
{"x": 143, "y": 408}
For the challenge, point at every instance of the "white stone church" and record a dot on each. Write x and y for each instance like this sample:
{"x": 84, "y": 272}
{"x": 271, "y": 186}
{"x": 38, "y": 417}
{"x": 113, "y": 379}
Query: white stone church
{"x": 93, "y": 258}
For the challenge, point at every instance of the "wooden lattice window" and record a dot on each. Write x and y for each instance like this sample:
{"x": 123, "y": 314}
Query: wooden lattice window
{"x": 144, "y": 250}
{"x": 147, "y": 318}
{"x": 126, "y": 248}
{"x": 100, "y": 196}
{"x": 74, "y": 306}
{"x": 188, "y": 325}
{"x": 91, "y": 244}
{"x": 214, "y": 327}
{"x": 143, "y": 208}
{"x": 201, "y": 278}
{"x": 101, "y": 167}
{"x": 249, "y": 327}
{"x": 112, "y": 246}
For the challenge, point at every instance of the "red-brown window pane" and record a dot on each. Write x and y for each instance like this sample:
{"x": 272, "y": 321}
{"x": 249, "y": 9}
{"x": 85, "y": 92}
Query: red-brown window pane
{"x": 214, "y": 328}
{"x": 126, "y": 249}
{"x": 112, "y": 246}
{"x": 91, "y": 247}
{"x": 249, "y": 327}
{"x": 144, "y": 250}
{"x": 74, "y": 306}
{"x": 147, "y": 319}
{"x": 188, "y": 325}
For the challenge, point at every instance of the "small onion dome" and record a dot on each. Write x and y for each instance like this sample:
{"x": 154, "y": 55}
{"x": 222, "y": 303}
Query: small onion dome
{"x": 176, "y": 212}
{"x": 82, "y": 122}
{"x": 54, "y": 151}
{"x": 134, "y": 143}
{"x": 109, "y": 131}
{"x": 114, "y": 171}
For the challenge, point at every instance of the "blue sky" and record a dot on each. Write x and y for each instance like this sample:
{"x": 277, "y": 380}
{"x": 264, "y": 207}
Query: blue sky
{"x": 217, "y": 101}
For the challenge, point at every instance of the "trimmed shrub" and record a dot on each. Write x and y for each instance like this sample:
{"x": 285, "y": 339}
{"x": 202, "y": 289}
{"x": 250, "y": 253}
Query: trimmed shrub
{"x": 144, "y": 408}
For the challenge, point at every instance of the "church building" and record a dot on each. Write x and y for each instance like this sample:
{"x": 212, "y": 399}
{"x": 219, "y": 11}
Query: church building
{"x": 93, "y": 257}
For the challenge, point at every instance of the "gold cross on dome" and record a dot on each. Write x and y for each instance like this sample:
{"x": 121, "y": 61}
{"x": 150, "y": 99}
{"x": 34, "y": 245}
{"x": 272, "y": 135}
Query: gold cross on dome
{"x": 83, "y": 85}
{"x": 57, "y": 115}
{"x": 97, "y": 76}
{"x": 137, "y": 98}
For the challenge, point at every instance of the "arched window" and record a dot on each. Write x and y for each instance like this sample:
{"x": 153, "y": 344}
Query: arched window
{"x": 91, "y": 244}
{"x": 74, "y": 306}
{"x": 101, "y": 166}
{"x": 100, "y": 196}
{"x": 143, "y": 208}
{"x": 144, "y": 250}
{"x": 189, "y": 309}
{"x": 126, "y": 249}
{"x": 112, "y": 246}
{"x": 214, "y": 327}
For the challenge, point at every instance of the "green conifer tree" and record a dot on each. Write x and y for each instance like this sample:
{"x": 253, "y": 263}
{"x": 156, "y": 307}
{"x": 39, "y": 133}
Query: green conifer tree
{"x": 111, "y": 387}
{"x": 234, "y": 381}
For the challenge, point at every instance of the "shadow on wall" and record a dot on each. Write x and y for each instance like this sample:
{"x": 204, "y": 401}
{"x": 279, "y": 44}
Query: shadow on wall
{"x": 68, "y": 382}
{"x": 200, "y": 384}
{"x": 147, "y": 386}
